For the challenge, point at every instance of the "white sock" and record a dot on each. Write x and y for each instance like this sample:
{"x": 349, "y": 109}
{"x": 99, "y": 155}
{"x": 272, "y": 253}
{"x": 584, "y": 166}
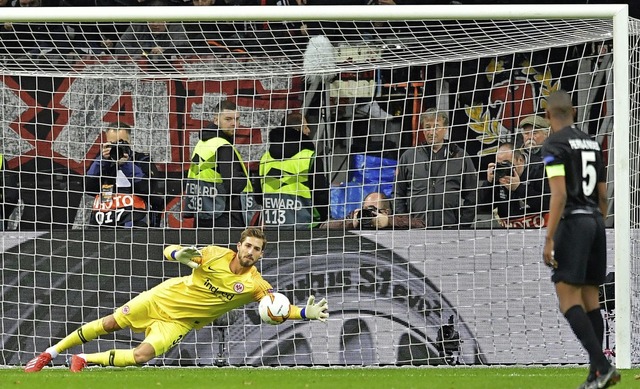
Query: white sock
{"x": 52, "y": 351}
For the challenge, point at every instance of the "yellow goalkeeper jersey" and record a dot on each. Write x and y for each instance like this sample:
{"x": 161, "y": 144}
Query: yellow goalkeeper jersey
{"x": 209, "y": 291}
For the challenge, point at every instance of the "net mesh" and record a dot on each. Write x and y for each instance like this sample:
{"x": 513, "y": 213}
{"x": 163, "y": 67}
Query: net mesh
{"x": 455, "y": 293}
{"x": 222, "y": 48}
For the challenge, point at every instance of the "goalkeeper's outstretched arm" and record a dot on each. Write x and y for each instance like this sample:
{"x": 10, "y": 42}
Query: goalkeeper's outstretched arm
{"x": 189, "y": 256}
{"x": 312, "y": 311}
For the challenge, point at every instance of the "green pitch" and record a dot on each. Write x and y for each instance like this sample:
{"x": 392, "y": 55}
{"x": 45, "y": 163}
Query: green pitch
{"x": 306, "y": 378}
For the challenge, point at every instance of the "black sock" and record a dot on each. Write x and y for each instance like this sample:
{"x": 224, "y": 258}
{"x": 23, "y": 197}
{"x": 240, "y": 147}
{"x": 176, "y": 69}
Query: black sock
{"x": 582, "y": 327}
{"x": 595, "y": 317}
{"x": 597, "y": 322}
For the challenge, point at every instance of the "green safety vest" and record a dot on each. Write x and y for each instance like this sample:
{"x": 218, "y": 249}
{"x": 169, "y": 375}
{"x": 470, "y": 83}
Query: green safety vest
{"x": 205, "y": 170}
{"x": 286, "y": 195}
{"x": 204, "y": 184}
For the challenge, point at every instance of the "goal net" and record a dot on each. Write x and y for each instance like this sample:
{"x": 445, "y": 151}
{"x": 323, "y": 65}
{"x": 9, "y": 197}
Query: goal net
{"x": 460, "y": 282}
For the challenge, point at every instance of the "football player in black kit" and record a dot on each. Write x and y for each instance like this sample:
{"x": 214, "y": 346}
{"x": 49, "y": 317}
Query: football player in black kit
{"x": 575, "y": 245}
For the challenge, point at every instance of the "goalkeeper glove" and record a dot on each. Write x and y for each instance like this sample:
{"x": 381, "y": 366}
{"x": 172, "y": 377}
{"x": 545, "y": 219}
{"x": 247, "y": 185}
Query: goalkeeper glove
{"x": 319, "y": 311}
{"x": 189, "y": 256}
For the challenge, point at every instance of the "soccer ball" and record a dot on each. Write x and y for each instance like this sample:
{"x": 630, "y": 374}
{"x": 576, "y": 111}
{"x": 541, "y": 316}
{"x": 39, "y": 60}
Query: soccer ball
{"x": 274, "y": 308}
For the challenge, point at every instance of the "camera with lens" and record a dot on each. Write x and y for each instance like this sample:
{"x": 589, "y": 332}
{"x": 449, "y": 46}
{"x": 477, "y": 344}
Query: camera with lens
{"x": 502, "y": 169}
{"x": 119, "y": 149}
{"x": 368, "y": 216}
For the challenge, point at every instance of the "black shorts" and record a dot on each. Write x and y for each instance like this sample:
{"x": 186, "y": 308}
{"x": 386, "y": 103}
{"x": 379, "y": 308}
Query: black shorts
{"x": 581, "y": 250}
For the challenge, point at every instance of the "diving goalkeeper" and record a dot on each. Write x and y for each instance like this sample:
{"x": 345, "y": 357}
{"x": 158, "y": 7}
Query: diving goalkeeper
{"x": 222, "y": 280}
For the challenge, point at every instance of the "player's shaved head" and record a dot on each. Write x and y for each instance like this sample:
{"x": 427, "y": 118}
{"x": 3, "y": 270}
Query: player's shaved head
{"x": 559, "y": 105}
{"x": 254, "y": 233}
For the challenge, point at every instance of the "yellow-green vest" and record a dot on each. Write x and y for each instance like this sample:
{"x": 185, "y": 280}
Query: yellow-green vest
{"x": 206, "y": 182}
{"x": 286, "y": 199}
{"x": 205, "y": 169}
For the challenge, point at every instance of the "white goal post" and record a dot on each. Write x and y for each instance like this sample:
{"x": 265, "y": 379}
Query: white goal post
{"x": 527, "y": 29}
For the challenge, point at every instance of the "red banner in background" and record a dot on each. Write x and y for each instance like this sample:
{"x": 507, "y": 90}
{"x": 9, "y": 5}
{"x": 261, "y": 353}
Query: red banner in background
{"x": 62, "y": 117}
{"x": 52, "y": 128}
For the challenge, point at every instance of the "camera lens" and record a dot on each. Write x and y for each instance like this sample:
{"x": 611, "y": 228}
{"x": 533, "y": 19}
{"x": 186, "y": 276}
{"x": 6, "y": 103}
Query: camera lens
{"x": 503, "y": 169}
{"x": 367, "y": 215}
{"x": 119, "y": 150}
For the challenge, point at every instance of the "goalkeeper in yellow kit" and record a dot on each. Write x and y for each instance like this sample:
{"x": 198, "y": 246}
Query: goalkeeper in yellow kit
{"x": 221, "y": 281}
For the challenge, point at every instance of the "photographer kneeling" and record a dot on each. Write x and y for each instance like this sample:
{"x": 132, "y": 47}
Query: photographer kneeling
{"x": 119, "y": 178}
{"x": 516, "y": 189}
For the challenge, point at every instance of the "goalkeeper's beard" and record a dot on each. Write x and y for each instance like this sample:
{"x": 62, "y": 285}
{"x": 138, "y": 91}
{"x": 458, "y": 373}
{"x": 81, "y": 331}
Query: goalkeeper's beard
{"x": 247, "y": 260}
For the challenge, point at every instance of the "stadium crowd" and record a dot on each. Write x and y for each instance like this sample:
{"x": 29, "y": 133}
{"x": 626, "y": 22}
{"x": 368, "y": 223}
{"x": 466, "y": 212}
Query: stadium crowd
{"x": 161, "y": 40}
{"x": 436, "y": 184}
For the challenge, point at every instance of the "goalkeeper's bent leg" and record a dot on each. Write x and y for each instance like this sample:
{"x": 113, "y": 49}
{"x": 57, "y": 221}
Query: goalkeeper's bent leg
{"x": 84, "y": 334}
{"x": 119, "y": 358}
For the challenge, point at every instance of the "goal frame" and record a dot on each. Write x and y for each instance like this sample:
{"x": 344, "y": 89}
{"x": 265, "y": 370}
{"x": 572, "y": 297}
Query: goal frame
{"x": 620, "y": 35}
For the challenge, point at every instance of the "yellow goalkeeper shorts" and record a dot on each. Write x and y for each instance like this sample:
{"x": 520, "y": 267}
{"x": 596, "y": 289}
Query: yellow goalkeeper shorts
{"x": 141, "y": 314}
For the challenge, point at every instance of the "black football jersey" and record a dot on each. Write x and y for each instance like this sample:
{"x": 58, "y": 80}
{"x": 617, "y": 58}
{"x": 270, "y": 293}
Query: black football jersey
{"x": 583, "y": 165}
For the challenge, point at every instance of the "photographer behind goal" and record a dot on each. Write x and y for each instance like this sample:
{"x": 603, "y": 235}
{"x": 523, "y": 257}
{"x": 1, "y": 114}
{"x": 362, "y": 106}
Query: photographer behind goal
{"x": 374, "y": 214}
{"x": 119, "y": 179}
{"x": 516, "y": 189}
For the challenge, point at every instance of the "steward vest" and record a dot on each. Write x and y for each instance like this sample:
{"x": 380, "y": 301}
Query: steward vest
{"x": 286, "y": 194}
{"x": 205, "y": 184}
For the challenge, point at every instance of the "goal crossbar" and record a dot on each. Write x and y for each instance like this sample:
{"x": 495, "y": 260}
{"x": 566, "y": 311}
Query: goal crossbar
{"x": 345, "y": 12}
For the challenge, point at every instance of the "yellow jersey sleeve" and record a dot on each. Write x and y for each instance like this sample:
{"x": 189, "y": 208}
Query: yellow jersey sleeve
{"x": 295, "y": 312}
{"x": 262, "y": 287}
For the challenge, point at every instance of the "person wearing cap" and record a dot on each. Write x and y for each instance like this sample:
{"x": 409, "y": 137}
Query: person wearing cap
{"x": 535, "y": 130}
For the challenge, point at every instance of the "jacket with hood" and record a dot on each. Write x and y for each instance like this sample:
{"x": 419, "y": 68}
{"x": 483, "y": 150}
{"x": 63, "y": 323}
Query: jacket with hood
{"x": 293, "y": 185}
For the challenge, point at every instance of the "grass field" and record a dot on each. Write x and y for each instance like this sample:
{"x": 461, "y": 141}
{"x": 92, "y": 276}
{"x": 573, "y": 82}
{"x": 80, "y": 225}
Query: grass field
{"x": 307, "y": 378}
